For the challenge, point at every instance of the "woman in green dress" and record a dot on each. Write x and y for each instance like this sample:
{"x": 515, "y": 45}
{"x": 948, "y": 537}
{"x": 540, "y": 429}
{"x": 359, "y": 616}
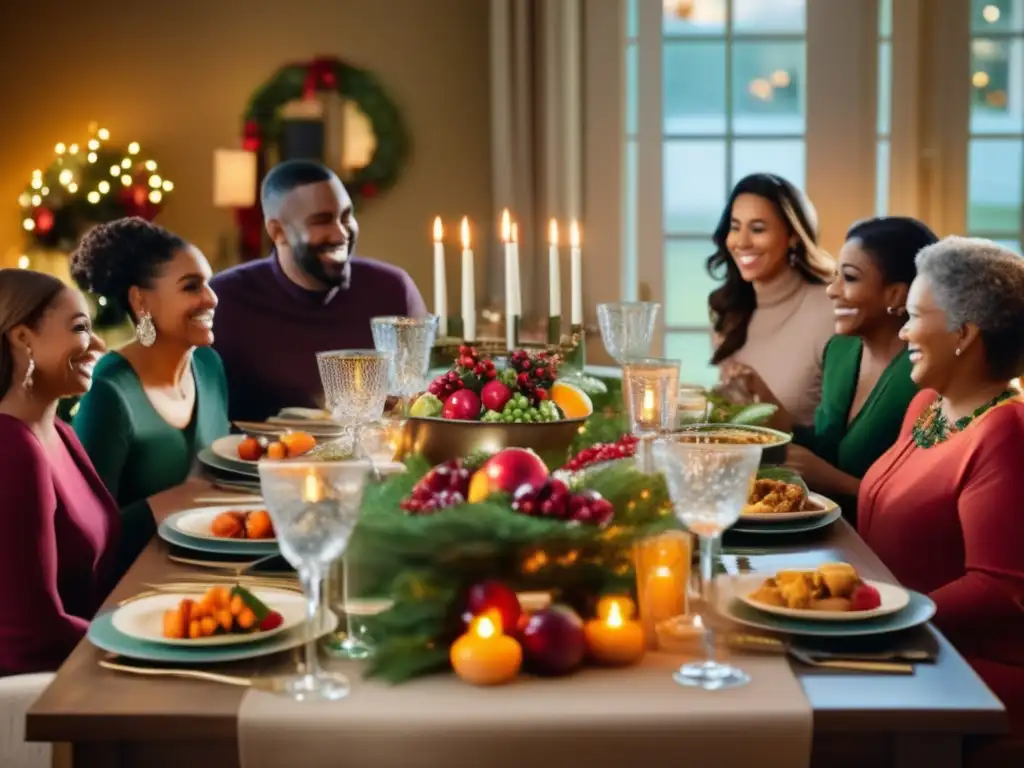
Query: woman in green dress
{"x": 161, "y": 398}
{"x": 866, "y": 385}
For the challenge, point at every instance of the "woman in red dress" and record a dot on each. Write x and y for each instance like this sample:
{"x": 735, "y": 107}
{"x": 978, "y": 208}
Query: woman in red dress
{"x": 58, "y": 524}
{"x": 944, "y": 507}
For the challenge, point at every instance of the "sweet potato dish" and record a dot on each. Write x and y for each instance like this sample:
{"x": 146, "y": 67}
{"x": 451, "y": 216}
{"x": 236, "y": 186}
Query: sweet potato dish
{"x": 221, "y": 610}
{"x": 831, "y": 587}
{"x": 286, "y": 446}
{"x": 238, "y": 524}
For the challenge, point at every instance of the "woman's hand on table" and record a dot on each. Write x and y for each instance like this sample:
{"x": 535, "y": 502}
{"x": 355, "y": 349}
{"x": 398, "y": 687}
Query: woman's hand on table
{"x": 819, "y": 475}
{"x": 739, "y": 380}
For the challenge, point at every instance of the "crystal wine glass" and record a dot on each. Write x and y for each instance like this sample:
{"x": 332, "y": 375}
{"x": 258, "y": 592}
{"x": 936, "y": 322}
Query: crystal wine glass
{"x": 314, "y": 506}
{"x": 708, "y": 483}
{"x": 627, "y": 328}
{"x": 410, "y": 341}
{"x": 356, "y": 386}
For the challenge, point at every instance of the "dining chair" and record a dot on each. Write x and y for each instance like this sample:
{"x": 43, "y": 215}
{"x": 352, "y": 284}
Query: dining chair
{"x": 17, "y": 694}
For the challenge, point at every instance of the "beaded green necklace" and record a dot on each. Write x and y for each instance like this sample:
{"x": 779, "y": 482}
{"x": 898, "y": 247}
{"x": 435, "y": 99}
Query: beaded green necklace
{"x": 932, "y": 427}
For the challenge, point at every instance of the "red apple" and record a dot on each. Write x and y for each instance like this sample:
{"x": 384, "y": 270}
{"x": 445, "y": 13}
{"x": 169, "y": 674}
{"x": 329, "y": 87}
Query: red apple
{"x": 494, "y": 395}
{"x": 865, "y": 598}
{"x": 463, "y": 405}
{"x": 553, "y": 641}
{"x": 494, "y": 596}
{"x": 511, "y": 468}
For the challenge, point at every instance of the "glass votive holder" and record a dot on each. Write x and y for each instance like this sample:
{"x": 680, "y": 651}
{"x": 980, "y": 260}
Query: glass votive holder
{"x": 693, "y": 404}
{"x": 663, "y": 567}
{"x": 651, "y": 389}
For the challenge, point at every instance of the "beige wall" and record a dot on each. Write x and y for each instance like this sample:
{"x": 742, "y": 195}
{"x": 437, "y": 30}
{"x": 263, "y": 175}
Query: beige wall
{"x": 176, "y": 77}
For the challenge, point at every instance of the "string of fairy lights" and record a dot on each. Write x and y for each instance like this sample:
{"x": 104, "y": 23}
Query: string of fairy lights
{"x": 88, "y": 184}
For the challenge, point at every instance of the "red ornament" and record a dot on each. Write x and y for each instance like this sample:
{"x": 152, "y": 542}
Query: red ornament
{"x": 368, "y": 190}
{"x": 511, "y": 468}
{"x": 43, "y": 218}
{"x": 553, "y": 641}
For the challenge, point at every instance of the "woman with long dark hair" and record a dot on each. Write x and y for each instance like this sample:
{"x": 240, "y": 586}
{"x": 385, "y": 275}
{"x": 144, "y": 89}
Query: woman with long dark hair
{"x": 771, "y": 315}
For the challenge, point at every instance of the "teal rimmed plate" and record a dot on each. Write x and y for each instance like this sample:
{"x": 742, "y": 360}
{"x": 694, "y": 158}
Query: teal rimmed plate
{"x": 788, "y": 527}
{"x": 919, "y": 610}
{"x": 105, "y": 636}
{"x": 169, "y": 533}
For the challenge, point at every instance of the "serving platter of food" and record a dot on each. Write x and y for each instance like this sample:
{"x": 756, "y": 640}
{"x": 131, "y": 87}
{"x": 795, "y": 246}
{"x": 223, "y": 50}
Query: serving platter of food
{"x": 245, "y": 529}
{"x": 251, "y": 449}
{"x": 249, "y": 521}
{"x": 830, "y": 592}
{"x": 774, "y": 444}
{"x": 221, "y": 615}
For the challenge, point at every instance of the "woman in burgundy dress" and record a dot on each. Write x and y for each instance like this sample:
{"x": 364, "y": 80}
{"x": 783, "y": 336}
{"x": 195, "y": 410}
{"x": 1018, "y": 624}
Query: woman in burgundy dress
{"x": 58, "y": 524}
{"x": 944, "y": 507}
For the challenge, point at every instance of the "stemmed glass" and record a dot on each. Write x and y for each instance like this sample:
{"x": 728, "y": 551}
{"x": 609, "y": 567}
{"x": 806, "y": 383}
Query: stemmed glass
{"x": 708, "y": 483}
{"x": 314, "y": 506}
{"x": 410, "y": 341}
{"x": 627, "y": 328}
{"x": 356, "y": 386}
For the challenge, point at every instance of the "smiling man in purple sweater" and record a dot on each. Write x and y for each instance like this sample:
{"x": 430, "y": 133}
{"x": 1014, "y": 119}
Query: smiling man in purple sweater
{"x": 309, "y": 295}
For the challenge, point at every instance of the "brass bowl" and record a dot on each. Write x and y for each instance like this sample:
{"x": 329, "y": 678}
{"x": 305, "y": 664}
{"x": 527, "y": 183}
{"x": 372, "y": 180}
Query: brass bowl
{"x": 440, "y": 440}
{"x": 774, "y": 444}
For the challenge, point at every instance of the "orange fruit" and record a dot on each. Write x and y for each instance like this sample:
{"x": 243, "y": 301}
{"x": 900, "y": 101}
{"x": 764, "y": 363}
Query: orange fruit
{"x": 574, "y": 402}
{"x": 298, "y": 443}
{"x": 277, "y": 450}
{"x": 479, "y": 487}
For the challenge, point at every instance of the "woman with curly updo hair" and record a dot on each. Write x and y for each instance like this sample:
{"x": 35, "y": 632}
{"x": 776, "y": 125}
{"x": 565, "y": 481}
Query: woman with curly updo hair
{"x": 944, "y": 507}
{"x": 59, "y": 524}
{"x": 160, "y": 399}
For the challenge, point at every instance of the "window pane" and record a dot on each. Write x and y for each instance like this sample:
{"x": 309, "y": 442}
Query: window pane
{"x": 694, "y": 185}
{"x": 632, "y": 88}
{"x": 783, "y": 157}
{"x": 693, "y": 348}
{"x": 694, "y": 17}
{"x": 694, "y": 87}
{"x": 769, "y": 15}
{"x": 885, "y": 18}
{"x": 995, "y": 169}
{"x": 882, "y": 178}
{"x": 997, "y": 15}
{"x": 997, "y": 86}
{"x": 687, "y": 282}
{"x": 631, "y": 18}
{"x": 884, "y": 87}
{"x": 630, "y": 261}
{"x": 768, "y": 87}
{"x": 1013, "y": 245}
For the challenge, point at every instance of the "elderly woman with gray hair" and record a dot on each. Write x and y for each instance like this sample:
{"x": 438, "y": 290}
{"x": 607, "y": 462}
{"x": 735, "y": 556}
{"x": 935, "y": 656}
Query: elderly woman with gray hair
{"x": 944, "y": 507}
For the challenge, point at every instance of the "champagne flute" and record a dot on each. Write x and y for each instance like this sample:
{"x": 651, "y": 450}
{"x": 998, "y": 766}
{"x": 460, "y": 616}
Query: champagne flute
{"x": 314, "y": 506}
{"x": 708, "y": 483}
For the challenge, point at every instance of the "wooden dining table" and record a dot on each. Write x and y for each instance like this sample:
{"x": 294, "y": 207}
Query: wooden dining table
{"x": 117, "y": 720}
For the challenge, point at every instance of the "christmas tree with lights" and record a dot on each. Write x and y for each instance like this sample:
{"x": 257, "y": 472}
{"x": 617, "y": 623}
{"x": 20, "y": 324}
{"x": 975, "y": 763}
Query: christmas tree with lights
{"x": 86, "y": 185}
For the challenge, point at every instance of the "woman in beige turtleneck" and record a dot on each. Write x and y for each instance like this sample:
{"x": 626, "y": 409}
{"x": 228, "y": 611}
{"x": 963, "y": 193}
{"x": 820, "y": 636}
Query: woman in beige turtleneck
{"x": 771, "y": 316}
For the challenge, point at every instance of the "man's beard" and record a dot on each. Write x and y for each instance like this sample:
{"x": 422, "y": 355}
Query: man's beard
{"x": 310, "y": 259}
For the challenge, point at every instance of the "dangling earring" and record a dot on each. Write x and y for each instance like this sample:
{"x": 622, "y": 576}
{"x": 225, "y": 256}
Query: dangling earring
{"x": 792, "y": 256}
{"x": 957, "y": 353}
{"x": 27, "y": 382}
{"x": 894, "y": 311}
{"x": 145, "y": 331}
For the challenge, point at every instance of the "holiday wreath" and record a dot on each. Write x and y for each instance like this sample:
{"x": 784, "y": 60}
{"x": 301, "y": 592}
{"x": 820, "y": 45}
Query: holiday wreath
{"x": 303, "y": 81}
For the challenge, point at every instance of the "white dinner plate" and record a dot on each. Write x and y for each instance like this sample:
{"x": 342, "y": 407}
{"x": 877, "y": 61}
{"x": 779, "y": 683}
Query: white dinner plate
{"x": 820, "y": 505}
{"x": 143, "y": 619}
{"x": 197, "y": 522}
{"x": 894, "y": 598}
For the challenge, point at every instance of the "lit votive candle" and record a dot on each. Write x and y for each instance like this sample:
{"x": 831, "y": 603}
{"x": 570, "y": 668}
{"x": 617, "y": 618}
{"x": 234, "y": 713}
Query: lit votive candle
{"x": 485, "y": 656}
{"x": 614, "y": 639}
{"x": 627, "y": 608}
